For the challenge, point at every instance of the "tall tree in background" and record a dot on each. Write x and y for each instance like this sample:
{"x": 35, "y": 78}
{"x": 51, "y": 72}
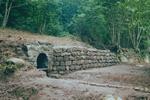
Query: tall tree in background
{"x": 102, "y": 23}
{"x": 127, "y": 21}
{"x": 137, "y": 14}
{"x": 9, "y": 5}
{"x": 45, "y": 16}
{"x": 115, "y": 19}
{"x": 89, "y": 23}
{"x": 0, "y": 2}
{"x": 68, "y": 9}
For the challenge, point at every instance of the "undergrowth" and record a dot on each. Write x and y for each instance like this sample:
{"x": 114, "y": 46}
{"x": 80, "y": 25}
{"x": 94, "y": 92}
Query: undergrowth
{"x": 8, "y": 69}
{"x": 24, "y": 93}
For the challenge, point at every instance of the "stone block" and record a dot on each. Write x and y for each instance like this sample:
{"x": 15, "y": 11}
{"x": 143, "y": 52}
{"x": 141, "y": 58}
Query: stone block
{"x": 61, "y": 68}
{"x": 67, "y": 68}
{"x": 66, "y": 58}
{"x": 57, "y": 63}
{"x": 72, "y": 58}
{"x": 72, "y": 68}
{"x": 76, "y": 67}
{"x": 54, "y": 68}
{"x": 58, "y": 50}
{"x": 61, "y": 72}
{"x": 59, "y": 59}
{"x": 68, "y": 63}
{"x": 65, "y": 54}
{"x": 74, "y": 62}
{"x": 62, "y": 63}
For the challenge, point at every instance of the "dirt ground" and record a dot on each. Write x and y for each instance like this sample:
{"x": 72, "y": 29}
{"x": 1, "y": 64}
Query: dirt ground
{"x": 120, "y": 82}
{"x": 26, "y": 37}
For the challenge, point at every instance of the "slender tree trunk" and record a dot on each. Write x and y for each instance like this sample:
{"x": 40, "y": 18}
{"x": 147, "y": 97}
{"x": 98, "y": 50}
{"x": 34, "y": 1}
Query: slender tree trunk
{"x": 113, "y": 33}
{"x": 8, "y": 7}
{"x": 118, "y": 40}
{"x": 130, "y": 36}
{"x": 42, "y": 27}
{"x": 0, "y": 2}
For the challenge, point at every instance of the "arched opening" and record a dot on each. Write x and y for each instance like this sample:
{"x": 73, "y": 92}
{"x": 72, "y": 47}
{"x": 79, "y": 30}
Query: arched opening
{"x": 42, "y": 61}
{"x": 25, "y": 50}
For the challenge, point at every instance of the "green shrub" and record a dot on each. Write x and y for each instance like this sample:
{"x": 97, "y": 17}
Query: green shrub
{"x": 8, "y": 69}
{"x": 23, "y": 92}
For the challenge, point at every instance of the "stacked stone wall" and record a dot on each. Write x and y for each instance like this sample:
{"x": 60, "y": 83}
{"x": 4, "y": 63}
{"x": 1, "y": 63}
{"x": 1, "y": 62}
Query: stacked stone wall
{"x": 71, "y": 59}
{"x": 60, "y": 59}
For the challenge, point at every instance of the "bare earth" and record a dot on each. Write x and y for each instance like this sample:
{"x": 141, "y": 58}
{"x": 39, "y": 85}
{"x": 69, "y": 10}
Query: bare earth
{"x": 120, "y": 82}
{"x": 124, "y": 82}
{"x": 26, "y": 37}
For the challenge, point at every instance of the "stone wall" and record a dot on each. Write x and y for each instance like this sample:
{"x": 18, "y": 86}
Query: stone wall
{"x": 67, "y": 59}
{"x": 57, "y": 59}
{"x": 37, "y": 48}
{"x": 71, "y": 59}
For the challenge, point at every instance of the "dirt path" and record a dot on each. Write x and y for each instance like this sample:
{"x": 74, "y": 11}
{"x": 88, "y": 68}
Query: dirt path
{"x": 121, "y": 81}
{"x": 124, "y": 82}
{"x": 120, "y": 74}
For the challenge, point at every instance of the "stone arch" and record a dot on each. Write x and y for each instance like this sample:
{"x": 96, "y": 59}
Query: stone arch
{"x": 42, "y": 61}
{"x": 25, "y": 50}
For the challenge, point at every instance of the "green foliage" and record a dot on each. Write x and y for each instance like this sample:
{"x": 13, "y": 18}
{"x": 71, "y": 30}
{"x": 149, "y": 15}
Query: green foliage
{"x": 101, "y": 23}
{"x": 89, "y": 23}
{"x": 8, "y": 69}
{"x": 24, "y": 93}
{"x": 137, "y": 20}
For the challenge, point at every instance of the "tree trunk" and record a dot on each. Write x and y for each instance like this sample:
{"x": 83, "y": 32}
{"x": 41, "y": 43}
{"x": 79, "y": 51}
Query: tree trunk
{"x": 118, "y": 40}
{"x": 8, "y": 7}
{"x": 113, "y": 33}
{"x": 42, "y": 27}
{"x": 0, "y": 2}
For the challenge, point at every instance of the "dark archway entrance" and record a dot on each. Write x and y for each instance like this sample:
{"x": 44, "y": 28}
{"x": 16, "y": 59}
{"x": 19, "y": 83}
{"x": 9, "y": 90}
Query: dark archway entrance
{"x": 42, "y": 61}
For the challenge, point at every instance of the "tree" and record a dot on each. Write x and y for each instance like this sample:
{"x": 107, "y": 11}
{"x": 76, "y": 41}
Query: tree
{"x": 9, "y": 5}
{"x": 0, "y": 2}
{"x": 137, "y": 20}
{"x": 68, "y": 9}
{"x": 45, "y": 16}
{"x": 102, "y": 23}
{"x": 89, "y": 23}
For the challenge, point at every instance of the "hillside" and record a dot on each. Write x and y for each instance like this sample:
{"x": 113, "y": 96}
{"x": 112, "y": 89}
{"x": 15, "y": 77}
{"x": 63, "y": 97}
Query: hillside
{"x": 94, "y": 79}
{"x": 74, "y": 49}
{"x": 22, "y": 36}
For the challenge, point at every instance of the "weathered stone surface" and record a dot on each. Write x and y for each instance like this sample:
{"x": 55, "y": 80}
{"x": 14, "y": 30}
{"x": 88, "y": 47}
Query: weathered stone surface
{"x": 147, "y": 59}
{"x": 70, "y": 59}
{"x": 34, "y": 49}
{"x": 123, "y": 59}
{"x": 62, "y": 59}
{"x": 68, "y": 63}
{"x": 17, "y": 61}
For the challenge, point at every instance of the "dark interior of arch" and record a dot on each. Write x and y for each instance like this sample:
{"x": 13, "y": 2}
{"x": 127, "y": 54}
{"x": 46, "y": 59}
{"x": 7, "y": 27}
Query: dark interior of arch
{"x": 25, "y": 50}
{"x": 42, "y": 61}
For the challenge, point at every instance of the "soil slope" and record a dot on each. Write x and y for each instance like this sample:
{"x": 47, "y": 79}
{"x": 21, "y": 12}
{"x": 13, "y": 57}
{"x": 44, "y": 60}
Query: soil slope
{"x": 21, "y": 36}
{"x": 124, "y": 82}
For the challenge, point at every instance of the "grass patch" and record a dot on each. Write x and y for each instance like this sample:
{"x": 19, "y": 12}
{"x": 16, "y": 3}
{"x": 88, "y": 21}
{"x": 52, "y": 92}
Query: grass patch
{"x": 24, "y": 93}
{"x": 7, "y": 70}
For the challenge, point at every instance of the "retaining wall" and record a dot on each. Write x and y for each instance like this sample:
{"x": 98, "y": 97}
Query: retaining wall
{"x": 60, "y": 59}
{"x": 71, "y": 59}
